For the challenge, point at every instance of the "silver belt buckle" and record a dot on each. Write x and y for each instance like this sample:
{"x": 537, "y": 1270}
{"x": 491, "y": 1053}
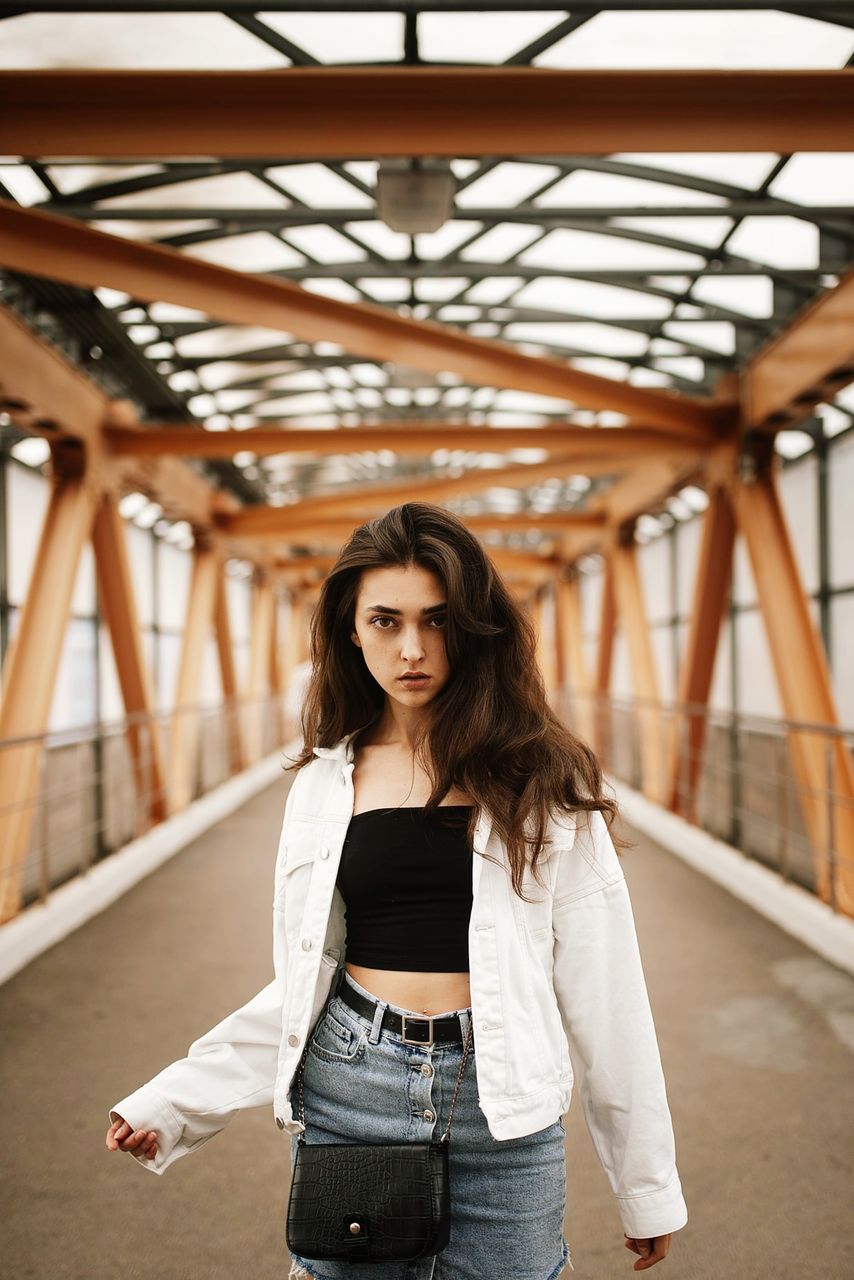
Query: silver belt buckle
{"x": 425, "y": 1018}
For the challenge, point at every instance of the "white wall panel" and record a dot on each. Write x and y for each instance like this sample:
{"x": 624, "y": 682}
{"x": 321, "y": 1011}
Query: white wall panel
{"x": 654, "y": 571}
{"x": 842, "y": 647}
{"x": 799, "y": 498}
{"x": 241, "y": 665}
{"x": 174, "y": 568}
{"x": 83, "y": 598}
{"x": 210, "y": 684}
{"x": 239, "y": 592}
{"x": 75, "y": 693}
{"x": 840, "y": 487}
{"x": 662, "y": 651}
{"x": 757, "y": 685}
{"x": 112, "y": 703}
{"x": 621, "y": 672}
{"x": 591, "y": 604}
{"x": 169, "y": 656}
{"x": 720, "y": 694}
{"x": 27, "y": 496}
{"x": 141, "y": 556}
{"x": 688, "y": 535}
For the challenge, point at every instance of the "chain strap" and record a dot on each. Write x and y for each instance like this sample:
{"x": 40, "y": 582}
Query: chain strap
{"x": 466, "y": 1047}
{"x": 300, "y": 1072}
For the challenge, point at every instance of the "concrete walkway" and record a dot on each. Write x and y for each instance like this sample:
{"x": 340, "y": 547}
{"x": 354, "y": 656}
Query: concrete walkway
{"x": 756, "y": 1034}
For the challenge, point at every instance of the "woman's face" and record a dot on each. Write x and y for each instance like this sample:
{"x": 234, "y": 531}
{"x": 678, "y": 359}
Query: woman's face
{"x": 400, "y": 627}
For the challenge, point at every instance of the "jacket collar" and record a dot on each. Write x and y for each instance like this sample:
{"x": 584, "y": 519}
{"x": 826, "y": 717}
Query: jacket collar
{"x": 343, "y": 749}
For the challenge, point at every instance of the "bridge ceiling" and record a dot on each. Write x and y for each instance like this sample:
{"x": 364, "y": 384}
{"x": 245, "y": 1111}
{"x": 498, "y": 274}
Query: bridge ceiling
{"x": 661, "y": 270}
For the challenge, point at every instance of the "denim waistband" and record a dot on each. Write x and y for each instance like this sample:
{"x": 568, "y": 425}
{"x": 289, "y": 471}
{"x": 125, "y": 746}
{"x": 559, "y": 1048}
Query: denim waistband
{"x": 464, "y": 1014}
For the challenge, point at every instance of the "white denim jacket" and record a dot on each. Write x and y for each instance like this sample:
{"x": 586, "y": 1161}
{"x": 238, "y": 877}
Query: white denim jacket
{"x": 557, "y": 994}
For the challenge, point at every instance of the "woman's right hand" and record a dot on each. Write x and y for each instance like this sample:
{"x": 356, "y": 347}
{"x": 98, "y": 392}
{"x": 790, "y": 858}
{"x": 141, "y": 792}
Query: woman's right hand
{"x": 141, "y": 1142}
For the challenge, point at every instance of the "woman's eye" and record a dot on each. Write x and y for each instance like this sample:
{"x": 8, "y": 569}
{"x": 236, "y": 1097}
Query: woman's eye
{"x": 439, "y": 621}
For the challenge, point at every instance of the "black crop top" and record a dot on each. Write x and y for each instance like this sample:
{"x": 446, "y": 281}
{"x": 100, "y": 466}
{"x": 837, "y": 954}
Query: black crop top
{"x": 406, "y": 880}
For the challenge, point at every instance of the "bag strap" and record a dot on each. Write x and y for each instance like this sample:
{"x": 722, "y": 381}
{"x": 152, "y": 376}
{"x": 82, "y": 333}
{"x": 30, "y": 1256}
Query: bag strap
{"x": 300, "y": 1072}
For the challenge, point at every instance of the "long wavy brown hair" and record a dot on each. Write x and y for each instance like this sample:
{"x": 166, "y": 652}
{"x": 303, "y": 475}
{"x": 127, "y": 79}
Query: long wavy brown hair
{"x": 490, "y": 731}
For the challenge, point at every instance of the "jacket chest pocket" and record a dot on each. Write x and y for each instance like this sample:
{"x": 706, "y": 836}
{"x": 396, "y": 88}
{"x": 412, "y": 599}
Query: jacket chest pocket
{"x": 301, "y": 845}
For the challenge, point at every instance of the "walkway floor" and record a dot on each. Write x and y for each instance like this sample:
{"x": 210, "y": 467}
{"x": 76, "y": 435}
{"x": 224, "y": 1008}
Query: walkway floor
{"x": 756, "y": 1035}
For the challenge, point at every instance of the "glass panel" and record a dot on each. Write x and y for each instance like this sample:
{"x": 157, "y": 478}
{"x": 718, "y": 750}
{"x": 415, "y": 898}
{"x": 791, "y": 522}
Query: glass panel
{"x": 253, "y": 251}
{"x": 587, "y": 297}
{"x": 325, "y": 244}
{"x": 590, "y": 251}
{"x": 587, "y": 187}
{"x": 183, "y": 41}
{"x": 816, "y": 178}
{"x": 342, "y": 37}
{"x": 466, "y": 37}
{"x": 696, "y": 39}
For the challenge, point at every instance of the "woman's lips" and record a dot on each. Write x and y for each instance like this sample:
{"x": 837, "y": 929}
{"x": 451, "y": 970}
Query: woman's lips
{"x": 414, "y": 679}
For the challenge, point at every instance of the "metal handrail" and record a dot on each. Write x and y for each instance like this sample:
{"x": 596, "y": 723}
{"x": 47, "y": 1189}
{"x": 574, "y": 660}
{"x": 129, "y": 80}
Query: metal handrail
{"x": 94, "y": 794}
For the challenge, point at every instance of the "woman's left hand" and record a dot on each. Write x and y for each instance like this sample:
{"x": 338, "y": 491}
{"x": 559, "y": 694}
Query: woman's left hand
{"x": 651, "y": 1250}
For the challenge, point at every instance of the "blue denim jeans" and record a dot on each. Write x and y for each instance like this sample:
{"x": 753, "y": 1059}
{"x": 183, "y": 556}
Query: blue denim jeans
{"x": 508, "y": 1198}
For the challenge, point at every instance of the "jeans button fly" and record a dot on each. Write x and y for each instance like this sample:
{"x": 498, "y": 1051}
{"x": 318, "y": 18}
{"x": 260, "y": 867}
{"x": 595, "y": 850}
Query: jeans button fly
{"x": 426, "y": 1069}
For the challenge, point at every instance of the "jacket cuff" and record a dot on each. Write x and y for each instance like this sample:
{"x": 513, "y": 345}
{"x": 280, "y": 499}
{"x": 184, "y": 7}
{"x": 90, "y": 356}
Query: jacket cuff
{"x": 145, "y": 1108}
{"x": 653, "y": 1213}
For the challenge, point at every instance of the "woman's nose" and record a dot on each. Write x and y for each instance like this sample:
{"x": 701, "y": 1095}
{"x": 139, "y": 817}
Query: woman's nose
{"x": 411, "y": 645}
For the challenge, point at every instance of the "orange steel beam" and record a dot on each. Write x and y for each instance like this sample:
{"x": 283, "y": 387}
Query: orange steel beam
{"x": 228, "y": 677}
{"x": 416, "y": 111}
{"x": 605, "y": 653}
{"x": 823, "y": 765}
{"x": 29, "y": 673}
{"x": 153, "y": 440}
{"x": 274, "y": 521}
{"x": 47, "y": 395}
{"x": 697, "y": 665}
{"x": 333, "y": 530}
{"x": 809, "y": 361}
{"x": 41, "y": 390}
{"x": 115, "y": 584}
{"x": 275, "y": 674}
{"x": 43, "y": 244}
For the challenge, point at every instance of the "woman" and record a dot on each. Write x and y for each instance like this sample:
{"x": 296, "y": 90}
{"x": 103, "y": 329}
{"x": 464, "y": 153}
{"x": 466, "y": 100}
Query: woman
{"x": 425, "y": 668}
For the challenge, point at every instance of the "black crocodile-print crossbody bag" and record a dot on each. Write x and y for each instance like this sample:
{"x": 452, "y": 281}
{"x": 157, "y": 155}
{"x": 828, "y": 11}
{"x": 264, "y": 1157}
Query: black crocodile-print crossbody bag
{"x": 370, "y": 1202}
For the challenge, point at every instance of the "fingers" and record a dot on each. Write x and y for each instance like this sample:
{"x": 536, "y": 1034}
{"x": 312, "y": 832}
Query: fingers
{"x": 141, "y": 1142}
{"x": 650, "y": 1251}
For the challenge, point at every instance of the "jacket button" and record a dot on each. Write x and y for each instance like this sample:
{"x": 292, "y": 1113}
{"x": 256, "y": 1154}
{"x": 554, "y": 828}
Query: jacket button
{"x": 306, "y": 944}
{"x": 292, "y": 1039}
{"x": 280, "y": 1122}
{"x": 324, "y": 852}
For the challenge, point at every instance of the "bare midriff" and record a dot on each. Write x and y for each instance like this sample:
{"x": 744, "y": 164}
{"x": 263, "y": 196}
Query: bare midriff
{"x": 420, "y": 992}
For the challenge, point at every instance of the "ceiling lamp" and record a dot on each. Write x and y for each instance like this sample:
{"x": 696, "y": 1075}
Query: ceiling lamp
{"x": 415, "y": 196}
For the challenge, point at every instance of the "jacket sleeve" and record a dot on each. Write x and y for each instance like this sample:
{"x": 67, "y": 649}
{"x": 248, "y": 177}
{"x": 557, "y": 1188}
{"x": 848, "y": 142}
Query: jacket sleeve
{"x": 604, "y": 1005}
{"x": 229, "y": 1068}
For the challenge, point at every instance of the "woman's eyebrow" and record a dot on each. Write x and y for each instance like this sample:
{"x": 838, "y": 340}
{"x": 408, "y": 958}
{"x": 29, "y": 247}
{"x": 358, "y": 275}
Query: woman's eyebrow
{"x": 382, "y": 608}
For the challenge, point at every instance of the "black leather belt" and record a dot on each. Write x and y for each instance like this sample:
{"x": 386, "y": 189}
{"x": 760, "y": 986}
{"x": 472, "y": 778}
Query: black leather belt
{"x": 416, "y": 1029}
